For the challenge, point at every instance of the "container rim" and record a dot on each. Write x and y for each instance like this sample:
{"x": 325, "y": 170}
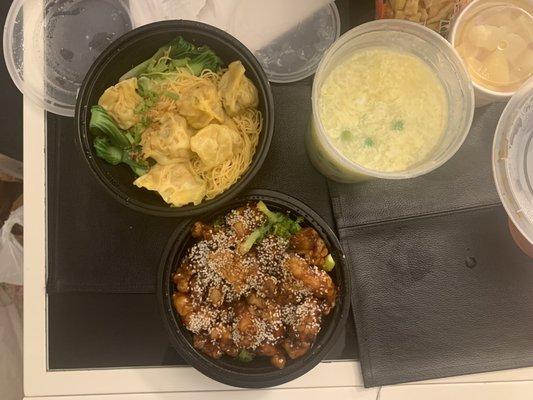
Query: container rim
{"x": 499, "y": 164}
{"x": 422, "y": 33}
{"x": 82, "y": 116}
{"x": 296, "y": 368}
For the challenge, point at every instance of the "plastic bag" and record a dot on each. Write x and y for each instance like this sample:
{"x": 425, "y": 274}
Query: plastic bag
{"x": 11, "y": 253}
{"x": 10, "y": 350}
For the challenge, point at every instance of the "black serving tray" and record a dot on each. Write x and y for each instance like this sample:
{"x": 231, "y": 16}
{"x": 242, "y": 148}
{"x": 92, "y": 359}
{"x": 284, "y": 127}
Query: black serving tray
{"x": 98, "y": 315}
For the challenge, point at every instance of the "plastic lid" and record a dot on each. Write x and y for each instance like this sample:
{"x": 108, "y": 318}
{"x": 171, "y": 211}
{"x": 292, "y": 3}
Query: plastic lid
{"x": 495, "y": 43}
{"x": 288, "y": 38}
{"x": 49, "y": 49}
{"x": 513, "y": 159}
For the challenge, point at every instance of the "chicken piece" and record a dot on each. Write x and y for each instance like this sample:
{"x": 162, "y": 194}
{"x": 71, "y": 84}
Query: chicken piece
{"x": 267, "y": 350}
{"x": 236, "y": 271}
{"x": 205, "y": 345}
{"x": 308, "y": 320}
{"x": 295, "y": 349}
{"x": 270, "y": 287}
{"x": 308, "y": 244}
{"x": 246, "y": 328}
{"x": 215, "y": 296}
{"x": 316, "y": 280}
{"x": 254, "y": 300}
{"x": 245, "y": 220}
{"x": 278, "y": 361}
{"x": 182, "y": 304}
{"x": 202, "y": 231}
{"x": 182, "y": 277}
{"x": 221, "y": 334}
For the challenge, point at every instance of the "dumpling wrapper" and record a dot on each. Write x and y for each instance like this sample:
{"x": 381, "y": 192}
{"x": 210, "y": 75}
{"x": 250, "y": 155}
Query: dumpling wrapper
{"x": 236, "y": 90}
{"x": 215, "y": 144}
{"x": 169, "y": 142}
{"x": 200, "y": 105}
{"x": 120, "y": 102}
{"x": 177, "y": 183}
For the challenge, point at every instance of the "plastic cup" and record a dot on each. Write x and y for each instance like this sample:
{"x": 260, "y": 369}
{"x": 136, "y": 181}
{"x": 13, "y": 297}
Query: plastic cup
{"x": 483, "y": 94}
{"x": 410, "y": 38}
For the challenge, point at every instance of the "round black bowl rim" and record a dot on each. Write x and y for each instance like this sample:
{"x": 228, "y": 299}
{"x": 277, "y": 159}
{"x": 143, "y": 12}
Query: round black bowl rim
{"x": 210, "y": 367}
{"x": 83, "y": 132}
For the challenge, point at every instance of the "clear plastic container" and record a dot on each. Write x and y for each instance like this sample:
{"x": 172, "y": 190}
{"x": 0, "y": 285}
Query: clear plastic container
{"x": 494, "y": 38}
{"x": 512, "y": 160}
{"x": 49, "y": 49}
{"x": 413, "y": 39}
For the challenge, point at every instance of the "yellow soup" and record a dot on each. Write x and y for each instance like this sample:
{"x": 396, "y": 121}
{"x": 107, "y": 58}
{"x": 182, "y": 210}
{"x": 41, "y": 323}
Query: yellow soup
{"x": 383, "y": 109}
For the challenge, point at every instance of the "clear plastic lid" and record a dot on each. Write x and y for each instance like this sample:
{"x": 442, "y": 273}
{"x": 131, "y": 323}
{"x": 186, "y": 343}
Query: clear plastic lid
{"x": 49, "y": 45}
{"x": 288, "y": 38}
{"x": 513, "y": 159}
{"x": 48, "y": 49}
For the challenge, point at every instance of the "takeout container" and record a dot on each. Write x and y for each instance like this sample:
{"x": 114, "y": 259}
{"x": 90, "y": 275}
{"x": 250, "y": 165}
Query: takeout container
{"x": 512, "y": 163}
{"x": 483, "y": 95}
{"x": 132, "y": 49}
{"x": 258, "y": 373}
{"x": 406, "y": 37}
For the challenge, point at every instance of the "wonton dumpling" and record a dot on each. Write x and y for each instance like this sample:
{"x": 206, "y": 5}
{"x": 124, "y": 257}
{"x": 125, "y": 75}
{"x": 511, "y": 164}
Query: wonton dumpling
{"x": 177, "y": 183}
{"x": 120, "y": 102}
{"x": 237, "y": 91}
{"x": 200, "y": 105}
{"x": 168, "y": 143}
{"x": 215, "y": 144}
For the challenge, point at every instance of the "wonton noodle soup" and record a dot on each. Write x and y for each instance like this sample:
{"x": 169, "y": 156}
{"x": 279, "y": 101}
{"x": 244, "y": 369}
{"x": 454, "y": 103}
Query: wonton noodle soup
{"x": 192, "y": 126}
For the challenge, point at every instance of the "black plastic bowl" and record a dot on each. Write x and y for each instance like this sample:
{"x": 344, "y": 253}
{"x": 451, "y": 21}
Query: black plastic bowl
{"x": 258, "y": 373}
{"x": 130, "y": 50}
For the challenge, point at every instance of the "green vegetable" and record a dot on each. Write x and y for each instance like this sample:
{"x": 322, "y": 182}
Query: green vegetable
{"x": 114, "y": 145}
{"x": 397, "y": 125}
{"x": 110, "y": 153}
{"x": 245, "y": 356}
{"x": 277, "y": 223}
{"x": 219, "y": 221}
{"x": 254, "y": 237}
{"x": 347, "y": 136}
{"x": 369, "y": 142}
{"x": 172, "y": 95}
{"x": 282, "y": 225}
{"x": 177, "y": 54}
{"x": 271, "y": 216}
{"x": 137, "y": 131}
{"x": 101, "y": 123}
{"x": 287, "y": 227}
{"x": 329, "y": 263}
{"x": 137, "y": 165}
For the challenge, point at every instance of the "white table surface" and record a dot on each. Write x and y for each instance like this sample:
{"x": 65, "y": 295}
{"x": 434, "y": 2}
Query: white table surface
{"x": 336, "y": 380}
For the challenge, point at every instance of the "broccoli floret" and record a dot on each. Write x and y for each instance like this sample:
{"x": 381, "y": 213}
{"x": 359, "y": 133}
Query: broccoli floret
{"x": 282, "y": 225}
{"x": 272, "y": 216}
{"x": 329, "y": 263}
{"x": 245, "y": 356}
{"x": 101, "y": 123}
{"x": 277, "y": 223}
{"x": 254, "y": 237}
